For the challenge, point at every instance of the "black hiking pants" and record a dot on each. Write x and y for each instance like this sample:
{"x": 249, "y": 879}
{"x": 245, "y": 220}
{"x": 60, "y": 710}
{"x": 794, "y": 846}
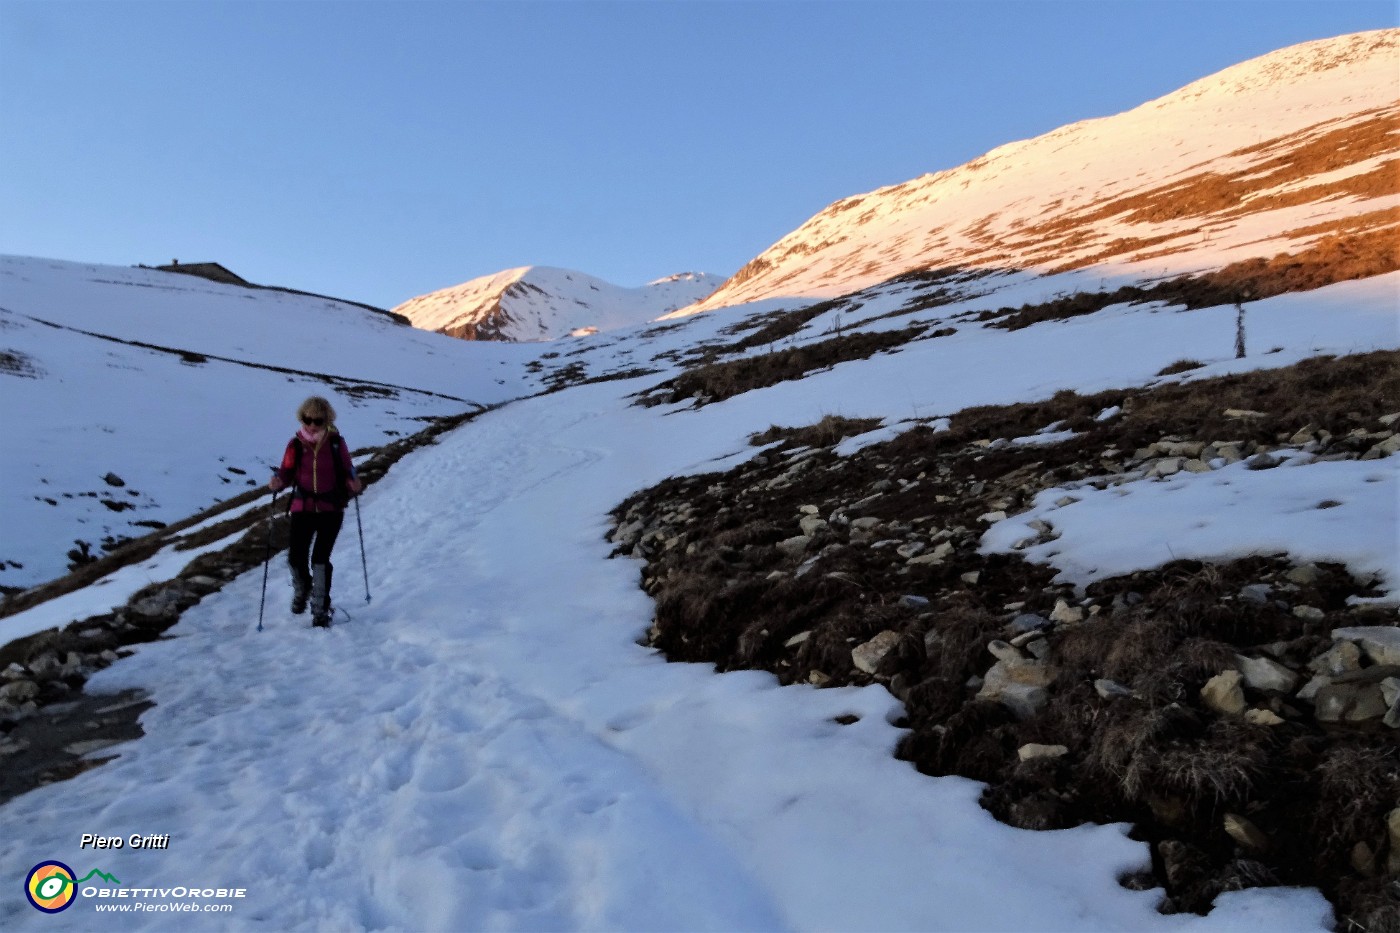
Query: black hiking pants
{"x": 313, "y": 535}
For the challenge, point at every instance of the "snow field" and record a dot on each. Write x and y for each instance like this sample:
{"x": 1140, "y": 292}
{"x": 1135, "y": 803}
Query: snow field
{"x": 486, "y": 747}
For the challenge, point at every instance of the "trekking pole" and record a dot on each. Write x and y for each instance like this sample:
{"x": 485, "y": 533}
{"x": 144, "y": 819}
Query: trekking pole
{"x": 267, "y": 558}
{"x": 363, "y": 564}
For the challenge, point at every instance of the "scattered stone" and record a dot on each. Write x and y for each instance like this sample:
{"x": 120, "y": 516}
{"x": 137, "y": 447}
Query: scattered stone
{"x": 1349, "y": 703}
{"x": 912, "y": 549}
{"x": 797, "y": 639}
{"x": 1265, "y": 674}
{"x": 1262, "y": 462}
{"x": 1111, "y": 689}
{"x": 92, "y": 745}
{"x": 794, "y": 547}
{"x": 1020, "y": 686}
{"x": 1381, "y": 643}
{"x": 991, "y": 517}
{"x": 1168, "y": 466}
{"x": 1339, "y": 659}
{"x": 971, "y": 577}
{"x": 867, "y": 657}
{"x": 1244, "y": 413}
{"x": 1034, "y": 750}
{"x": 1065, "y": 614}
{"x": 1309, "y": 613}
{"x": 1363, "y": 859}
{"x": 1392, "y": 823}
{"x": 1245, "y": 833}
{"x": 1222, "y": 693}
{"x": 1005, "y": 652}
{"x": 1304, "y": 574}
{"x": 811, "y": 525}
{"x": 1029, "y": 622}
{"x": 1039, "y": 648}
{"x": 1256, "y": 593}
{"x": 818, "y": 679}
{"x": 18, "y": 691}
{"x": 1263, "y": 717}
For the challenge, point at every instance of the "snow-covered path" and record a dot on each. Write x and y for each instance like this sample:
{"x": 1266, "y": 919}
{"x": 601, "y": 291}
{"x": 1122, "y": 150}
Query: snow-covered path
{"x": 486, "y": 746}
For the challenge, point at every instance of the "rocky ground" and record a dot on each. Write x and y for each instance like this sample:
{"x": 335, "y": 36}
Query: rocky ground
{"x": 1243, "y": 716}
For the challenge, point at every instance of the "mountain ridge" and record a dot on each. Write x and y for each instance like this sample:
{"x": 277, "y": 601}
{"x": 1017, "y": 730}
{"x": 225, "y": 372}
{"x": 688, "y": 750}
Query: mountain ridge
{"x": 1065, "y": 197}
{"x": 530, "y": 303}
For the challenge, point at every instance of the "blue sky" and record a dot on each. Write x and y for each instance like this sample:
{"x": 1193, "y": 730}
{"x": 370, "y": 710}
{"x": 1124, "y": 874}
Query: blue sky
{"x": 379, "y": 150}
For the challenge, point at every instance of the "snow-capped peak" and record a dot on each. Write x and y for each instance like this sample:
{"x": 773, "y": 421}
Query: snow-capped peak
{"x": 544, "y": 303}
{"x": 1285, "y": 147}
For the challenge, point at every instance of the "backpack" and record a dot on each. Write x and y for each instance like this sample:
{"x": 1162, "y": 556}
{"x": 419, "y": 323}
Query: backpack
{"x": 340, "y": 495}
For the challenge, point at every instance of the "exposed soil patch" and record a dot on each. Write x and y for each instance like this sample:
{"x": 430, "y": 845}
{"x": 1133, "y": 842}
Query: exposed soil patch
{"x": 715, "y": 382}
{"x": 1072, "y": 706}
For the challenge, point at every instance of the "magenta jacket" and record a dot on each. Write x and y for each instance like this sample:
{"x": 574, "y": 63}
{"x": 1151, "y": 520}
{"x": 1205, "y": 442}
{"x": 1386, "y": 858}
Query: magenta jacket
{"x": 310, "y": 471}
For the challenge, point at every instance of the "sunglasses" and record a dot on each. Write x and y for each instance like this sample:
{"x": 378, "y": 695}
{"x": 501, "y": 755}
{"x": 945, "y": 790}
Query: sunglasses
{"x": 318, "y": 422}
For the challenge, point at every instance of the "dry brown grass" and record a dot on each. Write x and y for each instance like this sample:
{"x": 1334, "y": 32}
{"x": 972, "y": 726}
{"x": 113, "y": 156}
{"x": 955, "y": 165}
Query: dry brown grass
{"x": 832, "y": 429}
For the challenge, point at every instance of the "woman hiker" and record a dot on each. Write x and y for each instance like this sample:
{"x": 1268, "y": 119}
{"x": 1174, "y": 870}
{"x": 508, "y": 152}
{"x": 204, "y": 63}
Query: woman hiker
{"x": 317, "y": 466}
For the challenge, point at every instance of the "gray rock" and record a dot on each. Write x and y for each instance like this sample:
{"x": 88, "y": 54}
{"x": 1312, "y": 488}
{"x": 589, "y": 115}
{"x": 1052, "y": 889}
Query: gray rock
{"x": 1339, "y": 659}
{"x": 794, "y": 547}
{"x": 797, "y": 639}
{"x": 811, "y": 525}
{"x": 910, "y": 601}
{"x": 1266, "y": 674}
{"x": 1304, "y": 574}
{"x": 1222, "y": 693}
{"x": 1392, "y": 824}
{"x": 91, "y": 745}
{"x": 1020, "y": 671}
{"x": 1262, "y": 462}
{"x": 1256, "y": 593}
{"x": 1310, "y": 689}
{"x": 18, "y": 691}
{"x": 1380, "y": 642}
{"x": 1065, "y": 614}
{"x": 1111, "y": 689}
{"x": 1350, "y": 703}
{"x": 912, "y": 549}
{"x": 865, "y": 524}
{"x": 1006, "y": 652}
{"x": 1029, "y": 622}
{"x": 1263, "y": 717}
{"x": 1245, "y": 833}
{"x": 867, "y": 657}
{"x": 1309, "y": 613}
{"x": 1033, "y": 750}
{"x": 1168, "y": 466}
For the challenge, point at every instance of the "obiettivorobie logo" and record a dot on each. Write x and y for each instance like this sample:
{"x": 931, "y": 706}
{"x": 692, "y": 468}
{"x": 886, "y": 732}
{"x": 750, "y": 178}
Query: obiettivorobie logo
{"x": 52, "y": 886}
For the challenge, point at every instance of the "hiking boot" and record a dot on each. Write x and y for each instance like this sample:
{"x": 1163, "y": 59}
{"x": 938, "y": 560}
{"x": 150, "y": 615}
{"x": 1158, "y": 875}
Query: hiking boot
{"x": 301, "y": 591}
{"x": 321, "y": 595}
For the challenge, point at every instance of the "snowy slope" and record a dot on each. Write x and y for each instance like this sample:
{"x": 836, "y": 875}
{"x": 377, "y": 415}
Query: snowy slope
{"x": 197, "y": 421}
{"x": 542, "y": 303}
{"x": 1252, "y": 161}
{"x": 486, "y": 745}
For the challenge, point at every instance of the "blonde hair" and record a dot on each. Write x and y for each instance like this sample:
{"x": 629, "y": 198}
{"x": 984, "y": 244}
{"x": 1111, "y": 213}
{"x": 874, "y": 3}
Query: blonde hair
{"x": 316, "y": 407}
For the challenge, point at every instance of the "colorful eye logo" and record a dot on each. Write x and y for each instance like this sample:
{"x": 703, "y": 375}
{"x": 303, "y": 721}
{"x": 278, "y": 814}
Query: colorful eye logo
{"x": 50, "y": 887}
